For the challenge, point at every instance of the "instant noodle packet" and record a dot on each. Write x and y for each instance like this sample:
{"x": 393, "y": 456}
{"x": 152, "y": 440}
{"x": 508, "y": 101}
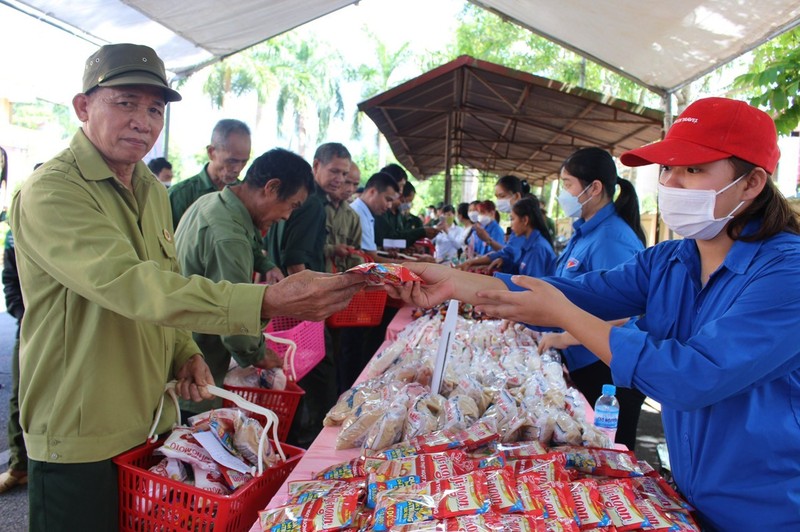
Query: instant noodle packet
{"x": 440, "y": 499}
{"x": 619, "y": 500}
{"x": 181, "y": 445}
{"x": 558, "y": 501}
{"x": 375, "y": 486}
{"x": 385, "y": 273}
{"x": 492, "y": 522}
{"x": 606, "y": 462}
{"x": 335, "y": 512}
{"x": 530, "y": 494}
{"x": 660, "y": 492}
{"x": 502, "y": 487}
{"x": 589, "y": 504}
{"x": 522, "y": 449}
{"x": 351, "y": 469}
{"x": 545, "y": 468}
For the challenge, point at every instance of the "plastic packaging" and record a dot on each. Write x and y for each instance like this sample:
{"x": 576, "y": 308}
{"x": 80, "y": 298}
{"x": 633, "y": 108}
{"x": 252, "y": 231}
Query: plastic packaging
{"x": 606, "y": 411}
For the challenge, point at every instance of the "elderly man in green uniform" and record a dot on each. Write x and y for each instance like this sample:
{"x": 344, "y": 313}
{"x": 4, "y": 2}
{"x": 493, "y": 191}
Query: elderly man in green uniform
{"x": 106, "y": 307}
{"x": 228, "y": 154}
{"x": 214, "y": 239}
{"x": 343, "y": 225}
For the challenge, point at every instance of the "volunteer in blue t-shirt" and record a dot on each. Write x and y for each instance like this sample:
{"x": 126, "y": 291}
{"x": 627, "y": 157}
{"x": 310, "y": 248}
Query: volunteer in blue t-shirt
{"x": 487, "y": 229}
{"x": 498, "y": 254}
{"x": 606, "y": 233}
{"x": 717, "y": 342}
{"x": 536, "y": 255}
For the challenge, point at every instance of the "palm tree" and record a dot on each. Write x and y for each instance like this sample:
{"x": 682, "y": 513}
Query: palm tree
{"x": 376, "y": 78}
{"x": 294, "y": 67}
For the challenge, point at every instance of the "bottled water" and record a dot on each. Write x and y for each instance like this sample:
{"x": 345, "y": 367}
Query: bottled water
{"x": 606, "y": 411}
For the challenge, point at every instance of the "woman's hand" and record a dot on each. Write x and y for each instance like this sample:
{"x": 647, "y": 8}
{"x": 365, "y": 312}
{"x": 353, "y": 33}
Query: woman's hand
{"x": 438, "y": 286}
{"x": 496, "y": 264}
{"x": 541, "y": 304}
{"x": 481, "y": 232}
{"x": 556, "y": 341}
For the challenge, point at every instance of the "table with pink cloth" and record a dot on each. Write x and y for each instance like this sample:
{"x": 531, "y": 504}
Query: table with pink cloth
{"x": 323, "y": 453}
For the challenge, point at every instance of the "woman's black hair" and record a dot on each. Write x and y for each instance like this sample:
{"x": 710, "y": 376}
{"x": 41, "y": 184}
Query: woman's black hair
{"x": 594, "y": 164}
{"x": 769, "y": 206}
{"x": 514, "y": 185}
{"x": 530, "y": 208}
{"x": 463, "y": 210}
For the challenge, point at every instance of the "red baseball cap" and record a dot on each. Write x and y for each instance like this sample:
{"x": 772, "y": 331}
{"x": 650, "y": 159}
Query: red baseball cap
{"x": 712, "y": 129}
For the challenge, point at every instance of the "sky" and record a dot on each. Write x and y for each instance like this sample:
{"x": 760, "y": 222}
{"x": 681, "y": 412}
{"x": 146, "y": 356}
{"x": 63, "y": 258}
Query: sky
{"x": 49, "y": 65}
{"x": 50, "y": 61}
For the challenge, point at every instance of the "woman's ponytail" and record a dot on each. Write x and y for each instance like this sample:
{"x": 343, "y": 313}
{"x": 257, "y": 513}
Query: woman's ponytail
{"x": 627, "y": 207}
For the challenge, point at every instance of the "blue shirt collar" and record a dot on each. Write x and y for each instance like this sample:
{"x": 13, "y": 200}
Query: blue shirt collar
{"x": 737, "y": 260}
{"x": 532, "y": 238}
{"x": 599, "y": 217}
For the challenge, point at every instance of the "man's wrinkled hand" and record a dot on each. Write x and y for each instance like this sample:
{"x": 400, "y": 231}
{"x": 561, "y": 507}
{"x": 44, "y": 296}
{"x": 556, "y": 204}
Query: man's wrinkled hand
{"x": 311, "y": 295}
{"x": 273, "y": 276}
{"x": 193, "y": 377}
{"x": 271, "y": 360}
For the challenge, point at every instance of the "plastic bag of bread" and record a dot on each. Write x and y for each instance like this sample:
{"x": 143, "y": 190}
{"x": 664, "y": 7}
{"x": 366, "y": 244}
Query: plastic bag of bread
{"x": 356, "y": 427}
{"x": 243, "y": 377}
{"x": 468, "y": 385}
{"x": 423, "y": 415}
{"x": 566, "y": 429}
{"x": 246, "y": 439}
{"x": 460, "y": 412}
{"x": 387, "y": 429}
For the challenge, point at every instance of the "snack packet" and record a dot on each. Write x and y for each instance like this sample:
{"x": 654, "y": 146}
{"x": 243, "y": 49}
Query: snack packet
{"x": 589, "y": 504}
{"x": 558, "y": 501}
{"x": 212, "y": 481}
{"x": 385, "y": 273}
{"x": 619, "y": 500}
{"x": 181, "y": 445}
{"x": 502, "y": 487}
{"x": 344, "y": 470}
{"x": 439, "y": 499}
{"x": 334, "y": 512}
{"x": 606, "y": 462}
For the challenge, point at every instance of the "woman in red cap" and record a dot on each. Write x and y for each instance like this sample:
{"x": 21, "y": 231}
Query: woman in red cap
{"x": 717, "y": 344}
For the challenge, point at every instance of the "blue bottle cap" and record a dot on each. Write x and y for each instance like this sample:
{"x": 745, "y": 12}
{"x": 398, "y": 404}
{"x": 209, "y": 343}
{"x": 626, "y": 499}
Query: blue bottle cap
{"x": 609, "y": 389}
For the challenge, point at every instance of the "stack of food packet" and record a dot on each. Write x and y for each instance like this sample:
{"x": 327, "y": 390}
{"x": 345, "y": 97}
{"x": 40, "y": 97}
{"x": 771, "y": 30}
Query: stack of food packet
{"x": 471, "y": 481}
{"x": 217, "y": 452}
{"x": 494, "y": 377}
{"x": 505, "y": 445}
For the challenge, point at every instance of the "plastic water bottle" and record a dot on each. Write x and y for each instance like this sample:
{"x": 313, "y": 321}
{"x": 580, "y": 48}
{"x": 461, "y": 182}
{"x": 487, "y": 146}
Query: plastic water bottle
{"x": 606, "y": 411}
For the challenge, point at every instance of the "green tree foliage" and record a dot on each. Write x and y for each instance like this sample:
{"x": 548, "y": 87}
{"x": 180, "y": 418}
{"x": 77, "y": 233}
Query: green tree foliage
{"x": 486, "y": 36}
{"x": 773, "y": 80}
{"x": 300, "y": 72}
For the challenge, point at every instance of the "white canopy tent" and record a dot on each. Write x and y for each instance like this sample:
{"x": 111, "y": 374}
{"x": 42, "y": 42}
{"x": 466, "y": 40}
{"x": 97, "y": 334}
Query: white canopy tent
{"x": 662, "y": 45}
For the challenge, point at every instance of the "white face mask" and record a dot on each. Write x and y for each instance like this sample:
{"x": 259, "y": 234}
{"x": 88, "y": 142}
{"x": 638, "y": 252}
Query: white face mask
{"x": 473, "y": 216}
{"x": 504, "y": 205}
{"x": 485, "y": 219}
{"x": 690, "y": 213}
{"x": 570, "y": 204}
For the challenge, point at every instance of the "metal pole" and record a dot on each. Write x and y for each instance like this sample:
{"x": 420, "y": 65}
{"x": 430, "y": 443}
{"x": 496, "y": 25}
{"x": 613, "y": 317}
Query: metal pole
{"x": 448, "y": 179}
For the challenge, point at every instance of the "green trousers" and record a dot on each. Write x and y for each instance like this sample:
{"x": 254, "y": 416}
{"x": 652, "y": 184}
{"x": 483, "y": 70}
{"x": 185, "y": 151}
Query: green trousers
{"x": 18, "y": 460}
{"x": 72, "y": 497}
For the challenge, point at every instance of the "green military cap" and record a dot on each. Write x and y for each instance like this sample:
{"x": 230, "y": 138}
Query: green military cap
{"x": 127, "y": 64}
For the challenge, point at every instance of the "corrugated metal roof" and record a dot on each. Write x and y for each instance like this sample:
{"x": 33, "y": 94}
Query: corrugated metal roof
{"x": 485, "y": 116}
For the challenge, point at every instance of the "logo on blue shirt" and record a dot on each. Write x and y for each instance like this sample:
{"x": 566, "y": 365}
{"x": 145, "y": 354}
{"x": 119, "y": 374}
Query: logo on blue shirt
{"x": 572, "y": 263}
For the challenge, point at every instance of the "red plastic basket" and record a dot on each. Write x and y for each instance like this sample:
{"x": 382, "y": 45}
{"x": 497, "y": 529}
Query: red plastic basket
{"x": 364, "y": 310}
{"x": 282, "y": 402}
{"x": 309, "y": 337}
{"x": 148, "y": 502}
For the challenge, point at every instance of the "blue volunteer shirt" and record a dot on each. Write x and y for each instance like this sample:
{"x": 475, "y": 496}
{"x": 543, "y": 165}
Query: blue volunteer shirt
{"x": 724, "y": 362}
{"x": 511, "y": 254}
{"x": 601, "y": 243}
{"x": 495, "y": 232}
{"x": 537, "y": 258}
